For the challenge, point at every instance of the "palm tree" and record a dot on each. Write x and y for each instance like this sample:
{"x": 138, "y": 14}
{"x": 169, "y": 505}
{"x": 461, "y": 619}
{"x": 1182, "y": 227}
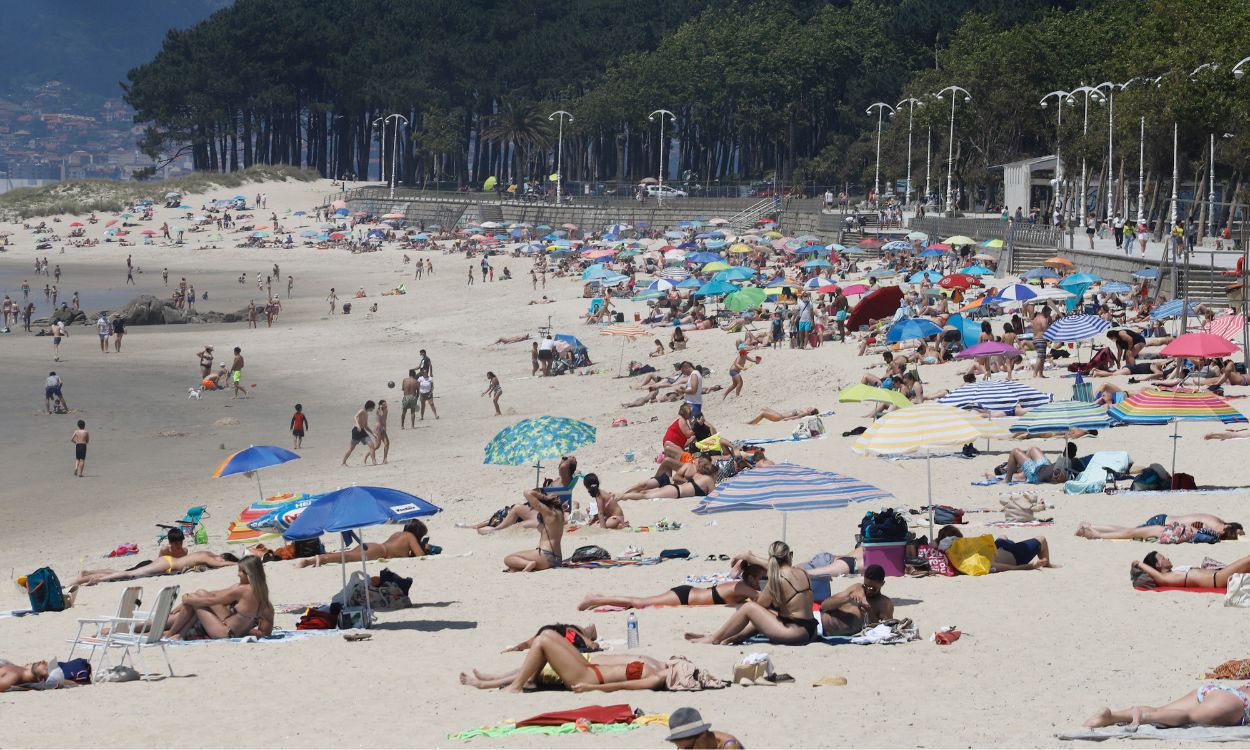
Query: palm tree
{"x": 523, "y": 126}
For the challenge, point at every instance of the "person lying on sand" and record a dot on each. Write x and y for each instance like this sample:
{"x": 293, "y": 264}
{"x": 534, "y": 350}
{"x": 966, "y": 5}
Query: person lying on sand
{"x": 1212, "y": 705}
{"x": 166, "y": 564}
{"x": 521, "y": 513}
{"x": 584, "y": 637}
{"x": 829, "y": 565}
{"x": 1174, "y": 529}
{"x": 31, "y": 676}
{"x": 782, "y": 612}
{"x": 729, "y": 593}
{"x": 1155, "y": 570}
{"x": 550, "y": 511}
{"x": 858, "y": 606}
{"x": 512, "y": 339}
{"x": 242, "y": 609}
{"x": 772, "y": 415}
{"x": 606, "y": 673}
{"x": 411, "y": 541}
{"x": 699, "y": 485}
{"x": 1028, "y": 554}
{"x": 1033, "y": 467}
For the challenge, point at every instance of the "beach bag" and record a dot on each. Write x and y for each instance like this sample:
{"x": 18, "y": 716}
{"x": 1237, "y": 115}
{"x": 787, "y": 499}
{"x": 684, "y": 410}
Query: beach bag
{"x": 939, "y": 563}
{"x": 1147, "y": 481}
{"x": 945, "y": 514}
{"x": 809, "y": 427}
{"x": 973, "y": 556}
{"x": 44, "y": 590}
{"x": 76, "y": 670}
{"x": 1183, "y": 481}
{"x": 319, "y": 619}
{"x": 1020, "y": 508}
{"x": 885, "y": 526}
{"x": 590, "y": 553}
{"x": 1238, "y": 593}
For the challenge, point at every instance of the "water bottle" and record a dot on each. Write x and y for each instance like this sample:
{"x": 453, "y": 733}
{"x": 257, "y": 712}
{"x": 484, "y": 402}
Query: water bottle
{"x": 631, "y": 631}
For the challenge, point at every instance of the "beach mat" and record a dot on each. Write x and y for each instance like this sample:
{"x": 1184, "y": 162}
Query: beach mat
{"x": 1190, "y": 589}
{"x": 612, "y": 563}
{"x": 618, "y": 713}
{"x": 1168, "y": 735}
{"x": 278, "y": 636}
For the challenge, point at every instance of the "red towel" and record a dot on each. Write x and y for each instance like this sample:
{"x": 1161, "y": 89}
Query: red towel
{"x": 619, "y": 714}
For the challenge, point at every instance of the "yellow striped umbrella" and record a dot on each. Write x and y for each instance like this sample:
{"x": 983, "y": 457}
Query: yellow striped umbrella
{"x": 920, "y": 428}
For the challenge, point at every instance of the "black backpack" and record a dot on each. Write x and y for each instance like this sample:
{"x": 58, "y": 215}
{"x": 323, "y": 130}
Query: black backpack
{"x": 590, "y": 553}
{"x": 884, "y": 526}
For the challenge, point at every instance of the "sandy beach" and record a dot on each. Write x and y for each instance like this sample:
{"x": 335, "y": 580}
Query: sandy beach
{"x": 1041, "y": 651}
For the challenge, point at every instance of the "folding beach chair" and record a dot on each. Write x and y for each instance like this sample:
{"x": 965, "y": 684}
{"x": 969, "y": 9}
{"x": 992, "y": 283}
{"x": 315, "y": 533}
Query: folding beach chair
{"x": 139, "y": 633}
{"x": 91, "y": 629}
{"x": 190, "y": 524}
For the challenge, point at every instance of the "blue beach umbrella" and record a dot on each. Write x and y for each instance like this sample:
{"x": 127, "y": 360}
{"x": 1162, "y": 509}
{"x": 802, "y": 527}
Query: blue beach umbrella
{"x": 253, "y": 459}
{"x": 932, "y": 276}
{"x": 911, "y": 329}
{"x": 715, "y": 289}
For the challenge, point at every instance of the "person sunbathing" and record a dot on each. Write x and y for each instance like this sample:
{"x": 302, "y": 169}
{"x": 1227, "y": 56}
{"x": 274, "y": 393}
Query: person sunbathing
{"x": 584, "y": 637}
{"x": 1028, "y": 554}
{"x": 512, "y": 339}
{"x": 521, "y": 513}
{"x": 411, "y": 541}
{"x": 1155, "y": 570}
{"x": 1212, "y": 705}
{"x": 858, "y": 606}
{"x": 33, "y": 676}
{"x": 783, "y": 611}
{"x": 607, "y": 673}
{"x": 829, "y": 565}
{"x": 772, "y": 415}
{"x": 1175, "y": 529}
{"x": 242, "y": 609}
{"x": 1033, "y": 467}
{"x": 729, "y": 593}
{"x": 550, "y": 511}
{"x": 166, "y": 564}
{"x": 699, "y": 485}
{"x": 1227, "y": 435}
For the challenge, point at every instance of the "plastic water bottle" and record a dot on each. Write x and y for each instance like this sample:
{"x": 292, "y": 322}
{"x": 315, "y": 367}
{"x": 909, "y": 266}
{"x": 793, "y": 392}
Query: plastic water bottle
{"x": 631, "y": 631}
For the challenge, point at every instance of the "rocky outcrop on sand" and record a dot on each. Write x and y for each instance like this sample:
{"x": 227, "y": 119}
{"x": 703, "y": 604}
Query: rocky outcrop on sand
{"x": 146, "y": 310}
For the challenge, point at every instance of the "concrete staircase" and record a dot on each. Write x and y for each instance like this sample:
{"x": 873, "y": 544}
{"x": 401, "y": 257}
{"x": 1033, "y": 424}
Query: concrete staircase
{"x": 746, "y": 218}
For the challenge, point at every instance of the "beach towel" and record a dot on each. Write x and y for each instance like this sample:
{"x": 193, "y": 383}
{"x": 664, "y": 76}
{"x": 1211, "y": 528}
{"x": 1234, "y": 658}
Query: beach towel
{"x": 987, "y": 482}
{"x": 786, "y": 439}
{"x": 1018, "y": 524}
{"x": 1192, "y": 589}
{"x": 1233, "y": 669}
{"x": 1094, "y": 478}
{"x": 1167, "y": 735}
{"x": 620, "y": 713}
{"x": 613, "y": 563}
{"x": 505, "y": 730}
{"x": 277, "y": 636}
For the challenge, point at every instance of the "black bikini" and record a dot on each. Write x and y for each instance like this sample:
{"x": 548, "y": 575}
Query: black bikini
{"x": 698, "y": 491}
{"x": 683, "y": 595}
{"x": 807, "y": 623}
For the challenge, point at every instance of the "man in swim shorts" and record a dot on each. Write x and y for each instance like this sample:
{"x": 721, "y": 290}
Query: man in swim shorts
{"x": 360, "y": 432}
{"x": 858, "y": 606}
{"x": 236, "y": 373}
{"x": 1033, "y": 467}
{"x": 409, "y": 403}
{"x": 80, "y": 438}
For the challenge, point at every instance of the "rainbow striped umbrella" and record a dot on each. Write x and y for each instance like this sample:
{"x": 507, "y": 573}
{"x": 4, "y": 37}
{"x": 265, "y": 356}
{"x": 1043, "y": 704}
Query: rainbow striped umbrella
{"x": 1159, "y": 406}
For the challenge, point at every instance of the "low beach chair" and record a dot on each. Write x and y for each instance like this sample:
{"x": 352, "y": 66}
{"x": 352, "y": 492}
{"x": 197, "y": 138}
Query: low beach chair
{"x": 139, "y": 633}
{"x": 91, "y": 629}
{"x": 189, "y": 524}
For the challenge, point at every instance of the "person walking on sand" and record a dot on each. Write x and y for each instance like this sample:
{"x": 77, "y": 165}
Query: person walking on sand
{"x": 165, "y": 275}
{"x": 535, "y": 366}
{"x": 299, "y": 425}
{"x": 425, "y": 395}
{"x": 409, "y": 400}
{"x": 58, "y": 332}
{"x": 333, "y": 299}
{"x": 495, "y": 390}
{"x": 290, "y": 285}
{"x": 236, "y": 372}
{"x": 119, "y": 331}
{"x": 206, "y": 361}
{"x": 360, "y": 431}
{"x": 424, "y": 365}
{"x": 381, "y": 439}
{"x": 130, "y": 275}
{"x": 470, "y": 276}
{"x": 735, "y": 371}
{"x": 80, "y": 438}
{"x": 105, "y": 330}
{"x": 251, "y": 314}
{"x": 51, "y": 388}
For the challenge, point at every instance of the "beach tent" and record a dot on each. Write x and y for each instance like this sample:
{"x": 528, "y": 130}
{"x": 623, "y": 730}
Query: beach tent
{"x": 876, "y": 305}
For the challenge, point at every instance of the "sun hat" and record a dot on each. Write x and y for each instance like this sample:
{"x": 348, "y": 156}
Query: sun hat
{"x": 686, "y": 722}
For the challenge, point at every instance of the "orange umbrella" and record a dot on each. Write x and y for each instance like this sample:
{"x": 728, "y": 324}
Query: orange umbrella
{"x": 1057, "y": 261}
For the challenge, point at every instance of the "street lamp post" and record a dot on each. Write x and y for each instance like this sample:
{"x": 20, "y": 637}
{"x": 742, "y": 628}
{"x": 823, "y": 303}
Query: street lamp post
{"x": 663, "y": 113}
{"x": 1111, "y": 89}
{"x": 1211, "y": 172}
{"x": 911, "y": 103}
{"x": 928, "y": 161}
{"x": 560, "y": 152}
{"x": 1141, "y": 173}
{"x": 1063, "y": 97}
{"x": 880, "y": 107}
{"x": 950, "y": 144}
{"x": 394, "y": 148}
{"x": 1089, "y": 93}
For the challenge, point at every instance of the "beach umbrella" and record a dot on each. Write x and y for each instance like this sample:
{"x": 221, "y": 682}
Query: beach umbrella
{"x": 878, "y": 304}
{"x": 1016, "y": 293}
{"x": 596, "y": 271}
{"x": 1062, "y": 416}
{"x": 989, "y": 349}
{"x": 853, "y": 289}
{"x": 932, "y": 252}
{"x": 1076, "y": 328}
{"x": 918, "y": 277}
{"x": 396, "y": 216}
{"x": 352, "y": 509}
{"x": 660, "y": 285}
{"x": 266, "y": 518}
{"x": 1079, "y": 279}
{"x": 1052, "y": 293}
{"x": 673, "y": 234}
{"x": 745, "y": 299}
{"x": 870, "y": 243}
{"x": 787, "y": 487}
{"x": 1200, "y": 346}
{"x": 1173, "y": 308}
{"x": 818, "y": 263}
{"x": 252, "y": 460}
{"x": 897, "y": 246}
{"x": 1057, "y": 261}
{"x": 1146, "y": 273}
{"x": 983, "y": 256}
{"x": 958, "y": 240}
{"x": 716, "y": 265}
{"x": 715, "y": 289}
{"x": 992, "y": 243}
{"x": 958, "y": 281}
{"x": 816, "y": 283}
{"x": 537, "y": 439}
{"x": 921, "y": 428}
{"x": 1155, "y": 406}
{"x": 976, "y": 270}
{"x": 739, "y": 248}
{"x": 861, "y": 392}
{"x": 1115, "y": 287}
{"x": 995, "y": 396}
{"x": 921, "y": 236}
{"x": 1039, "y": 273}
{"x": 627, "y": 332}
{"x": 689, "y": 282}
{"x": 1228, "y": 326}
{"x": 309, "y": 233}
{"x": 148, "y": 232}
{"x": 912, "y": 329}
{"x": 704, "y": 257}
{"x": 737, "y": 273}
{"x": 717, "y": 222}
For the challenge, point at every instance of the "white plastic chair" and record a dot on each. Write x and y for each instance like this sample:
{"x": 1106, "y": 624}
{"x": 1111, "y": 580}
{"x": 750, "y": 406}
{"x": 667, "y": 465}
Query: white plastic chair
{"x": 91, "y": 629}
{"x": 139, "y": 633}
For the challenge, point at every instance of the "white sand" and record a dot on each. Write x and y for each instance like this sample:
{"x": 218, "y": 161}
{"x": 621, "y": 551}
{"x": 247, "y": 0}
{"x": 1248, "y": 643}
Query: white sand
{"x": 1042, "y": 650}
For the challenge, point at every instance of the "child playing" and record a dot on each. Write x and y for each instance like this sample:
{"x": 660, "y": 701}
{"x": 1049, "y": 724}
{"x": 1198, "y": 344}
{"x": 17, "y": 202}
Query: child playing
{"x": 299, "y": 423}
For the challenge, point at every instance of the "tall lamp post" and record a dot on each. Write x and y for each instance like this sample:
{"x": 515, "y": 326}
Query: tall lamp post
{"x": 880, "y": 107}
{"x": 395, "y": 148}
{"x": 1141, "y": 173}
{"x": 560, "y": 151}
{"x": 663, "y": 113}
{"x": 1063, "y": 97}
{"x": 928, "y": 161}
{"x": 1110, "y": 95}
{"x": 1211, "y": 172}
{"x": 1238, "y": 72}
{"x": 911, "y": 102}
{"x": 1090, "y": 93}
{"x": 954, "y": 91}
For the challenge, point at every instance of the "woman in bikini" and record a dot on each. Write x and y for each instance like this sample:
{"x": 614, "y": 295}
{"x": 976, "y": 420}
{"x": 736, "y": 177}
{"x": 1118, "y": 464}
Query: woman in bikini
{"x": 608, "y": 509}
{"x": 550, "y": 530}
{"x": 782, "y": 613}
{"x": 521, "y": 513}
{"x": 1173, "y": 529}
{"x": 1211, "y": 705}
{"x": 740, "y": 363}
{"x": 166, "y": 564}
{"x": 574, "y": 670}
{"x": 772, "y": 415}
{"x": 1156, "y": 569}
{"x": 409, "y": 542}
{"x": 242, "y": 609}
{"x": 699, "y": 485}
{"x": 729, "y": 593}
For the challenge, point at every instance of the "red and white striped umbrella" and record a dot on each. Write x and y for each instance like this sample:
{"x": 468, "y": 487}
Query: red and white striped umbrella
{"x": 1228, "y": 326}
